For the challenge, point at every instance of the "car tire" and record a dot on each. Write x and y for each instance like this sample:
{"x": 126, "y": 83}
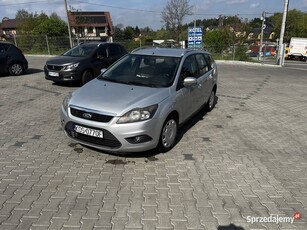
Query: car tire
{"x": 211, "y": 101}
{"x": 168, "y": 134}
{"x": 87, "y": 76}
{"x": 15, "y": 69}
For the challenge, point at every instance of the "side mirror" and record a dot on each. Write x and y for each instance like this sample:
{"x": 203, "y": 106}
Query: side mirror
{"x": 102, "y": 70}
{"x": 190, "y": 82}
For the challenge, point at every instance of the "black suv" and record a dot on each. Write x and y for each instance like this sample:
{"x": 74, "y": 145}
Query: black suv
{"x": 12, "y": 60}
{"x": 83, "y": 62}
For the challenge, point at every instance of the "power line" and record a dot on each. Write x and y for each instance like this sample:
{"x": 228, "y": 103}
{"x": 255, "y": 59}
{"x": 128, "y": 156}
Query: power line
{"x": 119, "y": 7}
{"x": 125, "y": 8}
{"x": 24, "y": 3}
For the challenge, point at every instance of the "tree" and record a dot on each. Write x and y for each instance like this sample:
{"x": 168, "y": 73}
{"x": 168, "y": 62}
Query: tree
{"x": 174, "y": 13}
{"x": 23, "y": 14}
{"x": 219, "y": 40}
{"x": 51, "y": 27}
{"x": 40, "y": 24}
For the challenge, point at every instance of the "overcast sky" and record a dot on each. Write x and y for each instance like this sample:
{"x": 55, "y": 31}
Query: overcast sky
{"x": 144, "y": 13}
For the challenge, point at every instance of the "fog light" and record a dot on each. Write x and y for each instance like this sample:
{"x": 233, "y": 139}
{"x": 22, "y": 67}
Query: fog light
{"x": 138, "y": 139}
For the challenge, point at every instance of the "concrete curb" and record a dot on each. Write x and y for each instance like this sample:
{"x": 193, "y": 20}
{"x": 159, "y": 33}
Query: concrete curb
{"x": 244, "y": 63}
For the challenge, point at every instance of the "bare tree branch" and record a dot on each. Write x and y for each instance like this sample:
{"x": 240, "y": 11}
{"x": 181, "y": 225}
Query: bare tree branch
{"x": 174, "y": 13}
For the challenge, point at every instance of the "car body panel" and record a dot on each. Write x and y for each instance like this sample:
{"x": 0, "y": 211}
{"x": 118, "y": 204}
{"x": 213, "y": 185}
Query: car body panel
{"x": 54, "y": 68}
{"x": 103, "y": 94}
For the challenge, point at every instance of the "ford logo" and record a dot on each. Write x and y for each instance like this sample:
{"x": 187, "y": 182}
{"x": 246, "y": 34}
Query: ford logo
{"x": 87, "y": 115}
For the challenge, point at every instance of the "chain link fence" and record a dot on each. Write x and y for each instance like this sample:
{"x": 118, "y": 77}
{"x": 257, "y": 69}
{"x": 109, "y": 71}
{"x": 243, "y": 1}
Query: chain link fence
{"x": 43, "y": 44}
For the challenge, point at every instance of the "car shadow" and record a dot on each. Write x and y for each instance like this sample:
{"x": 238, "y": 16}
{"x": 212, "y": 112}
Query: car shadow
{"x": 152, "y": 153}
{"x": 27, "y": 72}
{"x": 230, "y": 227}
{"x": 67, "y": 84}
{"x": 33, "y": 71}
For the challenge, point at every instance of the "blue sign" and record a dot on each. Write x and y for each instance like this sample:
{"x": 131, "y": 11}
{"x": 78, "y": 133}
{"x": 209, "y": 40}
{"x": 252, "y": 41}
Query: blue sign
{"x": 195, "y": 37}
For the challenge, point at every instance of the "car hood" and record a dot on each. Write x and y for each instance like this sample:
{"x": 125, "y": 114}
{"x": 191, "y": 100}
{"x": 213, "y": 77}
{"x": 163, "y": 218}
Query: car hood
{"x": 116, "y": 99}
{"x": 63, "y": 60}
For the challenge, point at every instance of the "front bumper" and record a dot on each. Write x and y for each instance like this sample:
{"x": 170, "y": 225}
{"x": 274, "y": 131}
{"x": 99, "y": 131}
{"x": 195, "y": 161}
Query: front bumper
{"x": 63, "y": 76}
{"x": 117, "y": 137}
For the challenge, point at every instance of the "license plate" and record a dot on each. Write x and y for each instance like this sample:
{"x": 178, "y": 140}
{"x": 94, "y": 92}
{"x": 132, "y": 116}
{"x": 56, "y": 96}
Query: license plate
{"x": 53, "y": 74}
{"x": 88, "y": 131}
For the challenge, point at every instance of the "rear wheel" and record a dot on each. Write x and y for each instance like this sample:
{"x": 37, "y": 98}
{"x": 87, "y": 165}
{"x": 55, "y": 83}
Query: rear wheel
{"x": 15, "y": 69}
{"x": 87, "y": 76}
{"x": 211, "y": 102}
{"x": 168, "y": 134}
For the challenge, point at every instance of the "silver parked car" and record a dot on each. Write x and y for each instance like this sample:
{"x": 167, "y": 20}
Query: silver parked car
{"x": 140, "y": 101}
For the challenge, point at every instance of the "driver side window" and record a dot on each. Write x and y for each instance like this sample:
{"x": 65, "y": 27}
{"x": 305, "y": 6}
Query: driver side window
{"x": 189, "y": 68}
{"x": 102, "y": 52}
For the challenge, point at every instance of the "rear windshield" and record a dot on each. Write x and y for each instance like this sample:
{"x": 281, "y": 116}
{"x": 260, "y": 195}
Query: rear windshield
{"x": 81, "y": 51}
{"x": 143, "y": 70}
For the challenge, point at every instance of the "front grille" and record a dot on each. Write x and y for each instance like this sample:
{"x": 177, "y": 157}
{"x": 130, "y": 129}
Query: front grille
{"x": 108, "y": 139}
{"x": 54, "y": 67}
{"x": 94, "y": 116}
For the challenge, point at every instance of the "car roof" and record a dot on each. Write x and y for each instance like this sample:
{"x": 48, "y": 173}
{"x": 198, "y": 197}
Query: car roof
{"x": 5, "y": 42}
{"x": 170, "y": 52}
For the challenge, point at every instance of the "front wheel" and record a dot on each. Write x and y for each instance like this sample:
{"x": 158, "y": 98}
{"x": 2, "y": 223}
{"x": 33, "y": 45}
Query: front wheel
{"x": 15, "y": 69}
{"x": 211, "y": 102}
{"x": 168, "y": 134}
{"x": 87, "y": 76}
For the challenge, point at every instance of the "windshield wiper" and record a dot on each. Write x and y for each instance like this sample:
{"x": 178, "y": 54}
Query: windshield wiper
{"x": 108, "y": 79}
{"x": 141, "y": 84}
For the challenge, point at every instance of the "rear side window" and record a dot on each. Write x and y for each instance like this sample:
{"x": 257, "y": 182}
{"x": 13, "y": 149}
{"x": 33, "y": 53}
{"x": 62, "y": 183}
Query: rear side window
{"x": 209, "y": 61}
{"x": 115, "y": 49}
{"x": 202, "y": 64}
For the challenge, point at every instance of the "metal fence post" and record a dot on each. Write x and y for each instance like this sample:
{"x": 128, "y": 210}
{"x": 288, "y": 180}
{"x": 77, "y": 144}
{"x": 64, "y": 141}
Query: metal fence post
{"x": 234, "y": 52}
{"x": 15, "y": 41}
{"x": 48, "y": 48}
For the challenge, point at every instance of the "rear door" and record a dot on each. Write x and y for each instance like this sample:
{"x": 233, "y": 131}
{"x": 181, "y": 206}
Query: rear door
{"x": 3, "y": 59}
{"x": 205, "y": 78}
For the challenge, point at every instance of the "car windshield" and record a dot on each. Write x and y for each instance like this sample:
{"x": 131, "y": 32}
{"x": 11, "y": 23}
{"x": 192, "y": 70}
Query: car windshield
{"x": 143, "y": 70}
{"x": 81, "y": 51}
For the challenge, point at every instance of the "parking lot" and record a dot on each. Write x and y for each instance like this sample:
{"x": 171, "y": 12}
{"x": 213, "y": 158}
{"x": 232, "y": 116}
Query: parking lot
{"x": 245, "y": 159}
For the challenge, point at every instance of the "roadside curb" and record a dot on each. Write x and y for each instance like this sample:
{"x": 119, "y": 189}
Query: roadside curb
{"x": 39, "y": 55}
{"x": 244, "y": 63}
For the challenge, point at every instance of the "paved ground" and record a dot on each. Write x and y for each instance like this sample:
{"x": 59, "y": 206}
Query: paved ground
{"x": 247, "y": 158}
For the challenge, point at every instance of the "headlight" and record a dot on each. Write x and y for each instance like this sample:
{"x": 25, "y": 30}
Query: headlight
{"x": 66, "y": 102}
{"x": 139, "y": 114}
{"x": 71, "y": 66}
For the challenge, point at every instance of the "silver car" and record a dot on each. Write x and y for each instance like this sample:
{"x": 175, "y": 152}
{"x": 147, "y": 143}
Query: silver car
{"x": 139, "y": 102}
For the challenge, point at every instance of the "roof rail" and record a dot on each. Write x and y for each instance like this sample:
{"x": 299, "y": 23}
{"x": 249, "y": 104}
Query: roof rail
{"x": 143, "y": 47}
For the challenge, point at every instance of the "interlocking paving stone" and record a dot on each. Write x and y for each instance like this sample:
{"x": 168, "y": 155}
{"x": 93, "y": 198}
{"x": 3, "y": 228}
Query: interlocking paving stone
{"x": 245, "y": 158}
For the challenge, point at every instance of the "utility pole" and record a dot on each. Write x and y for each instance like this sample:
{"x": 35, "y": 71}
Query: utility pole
{"x": 280, "y": 58}
{"x": 68, "y": 24}
{"x": 261, "y": 36}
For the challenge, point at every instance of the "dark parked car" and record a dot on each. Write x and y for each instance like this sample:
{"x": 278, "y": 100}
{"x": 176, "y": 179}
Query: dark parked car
{"x": 12, "y": 60}
{"x": 83, "y": 62}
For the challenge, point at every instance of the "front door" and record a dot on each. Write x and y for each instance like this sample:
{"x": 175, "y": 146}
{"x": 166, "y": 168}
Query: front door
{"x": 188, "y": 96}
{"x": 101, "y": 59}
